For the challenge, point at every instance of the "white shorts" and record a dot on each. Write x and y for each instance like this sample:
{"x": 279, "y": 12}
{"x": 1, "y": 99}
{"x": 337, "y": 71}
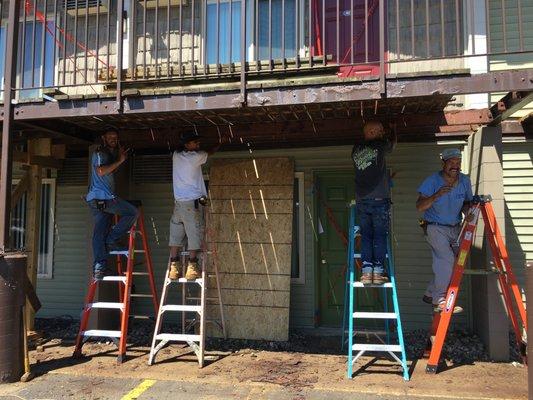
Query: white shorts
{"x": 187, "y": 225}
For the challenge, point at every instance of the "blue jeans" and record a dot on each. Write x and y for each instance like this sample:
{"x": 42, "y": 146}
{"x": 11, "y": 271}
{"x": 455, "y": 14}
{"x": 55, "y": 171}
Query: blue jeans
{"x": 102, "y": 234}
{"x": 373, "y": 216}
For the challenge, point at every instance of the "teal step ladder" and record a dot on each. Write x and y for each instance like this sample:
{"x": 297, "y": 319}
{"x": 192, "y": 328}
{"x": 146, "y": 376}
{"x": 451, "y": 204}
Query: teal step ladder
{"x": 397, "y": 350}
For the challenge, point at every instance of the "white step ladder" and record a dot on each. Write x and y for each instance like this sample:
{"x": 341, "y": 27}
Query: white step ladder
{"x": 195, "y": 341}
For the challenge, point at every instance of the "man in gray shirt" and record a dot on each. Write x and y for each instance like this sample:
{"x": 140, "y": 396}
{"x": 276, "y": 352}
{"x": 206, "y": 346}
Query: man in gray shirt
{"x": 372, "y": 193}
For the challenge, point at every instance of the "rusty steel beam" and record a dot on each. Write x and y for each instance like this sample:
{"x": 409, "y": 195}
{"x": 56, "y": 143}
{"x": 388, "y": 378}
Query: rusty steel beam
{"x": 510, "y": 104}
{"x": 10, "y": 83}
{"x": 501, "y": 81}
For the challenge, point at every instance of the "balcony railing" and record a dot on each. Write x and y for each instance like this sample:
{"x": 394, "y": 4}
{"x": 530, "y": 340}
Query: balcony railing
{"x": 76, "y": 46}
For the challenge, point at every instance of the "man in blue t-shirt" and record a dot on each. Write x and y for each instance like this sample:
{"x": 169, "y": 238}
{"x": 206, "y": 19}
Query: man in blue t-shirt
{"x": 442, "y": 197}
{"x": 104, "y": 204}
{"x": 372, "y": 194}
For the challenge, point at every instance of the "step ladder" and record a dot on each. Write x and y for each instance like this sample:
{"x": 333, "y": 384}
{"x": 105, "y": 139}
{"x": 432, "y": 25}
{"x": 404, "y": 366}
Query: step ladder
{"x": 481, "y": 205}
{"x": 396, "y": 351}
{"x": 196, "y": 305}
{"x": 124, "y": 279}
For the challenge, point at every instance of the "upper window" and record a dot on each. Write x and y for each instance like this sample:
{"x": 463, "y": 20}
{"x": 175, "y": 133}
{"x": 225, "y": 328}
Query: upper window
{"x": 229, "y": 31}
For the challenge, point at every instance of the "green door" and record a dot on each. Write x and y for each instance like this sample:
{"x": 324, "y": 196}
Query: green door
{"x": 334, "y": 193}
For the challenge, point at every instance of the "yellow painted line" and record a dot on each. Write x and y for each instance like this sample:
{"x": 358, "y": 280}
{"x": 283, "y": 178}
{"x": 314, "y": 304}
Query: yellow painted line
{"x": 140, "y": 389}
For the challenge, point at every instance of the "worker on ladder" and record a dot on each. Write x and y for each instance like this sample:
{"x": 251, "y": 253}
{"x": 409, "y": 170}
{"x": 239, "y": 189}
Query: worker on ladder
{"x": 443, "y": 196}
{"x": 190, "y": 196}
{"x": 104, "y": 203}
{"x": 372, "y": 193}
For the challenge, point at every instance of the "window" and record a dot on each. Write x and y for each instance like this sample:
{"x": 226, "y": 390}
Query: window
{"x": 32, "y": 58}
{"x": 46, "y": 233}
{"x": 298, "y": 231}
{"x": 229, "y": 29}
{"x": 277, "y": 27}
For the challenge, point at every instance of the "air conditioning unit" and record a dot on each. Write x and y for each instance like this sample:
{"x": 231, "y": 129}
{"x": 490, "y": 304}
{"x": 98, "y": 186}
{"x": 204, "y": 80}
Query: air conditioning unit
{"x": 162, "y": 3}
{"x": 84, "y": 7}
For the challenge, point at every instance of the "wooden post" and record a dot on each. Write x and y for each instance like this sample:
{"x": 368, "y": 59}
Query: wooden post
{"x": 36, "y": 147}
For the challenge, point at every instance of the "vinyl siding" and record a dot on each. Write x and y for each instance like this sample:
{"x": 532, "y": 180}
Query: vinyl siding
{"x": 64, "y": 293}
{"x": 518, "y": 193}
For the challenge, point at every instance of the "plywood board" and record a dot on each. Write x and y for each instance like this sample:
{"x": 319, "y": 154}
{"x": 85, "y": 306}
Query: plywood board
{"x": 261, "y": 171}
{"x": 251, "y": 229}
{"x": 257, "y": 323}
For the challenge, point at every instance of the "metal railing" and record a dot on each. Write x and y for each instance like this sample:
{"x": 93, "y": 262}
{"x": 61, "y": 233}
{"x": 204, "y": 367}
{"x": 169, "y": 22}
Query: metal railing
{"x": 83, "y": 47}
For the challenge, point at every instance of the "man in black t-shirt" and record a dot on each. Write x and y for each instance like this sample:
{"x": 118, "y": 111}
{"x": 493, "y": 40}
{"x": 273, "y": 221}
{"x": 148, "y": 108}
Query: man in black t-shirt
{"x": 372, "y": 193}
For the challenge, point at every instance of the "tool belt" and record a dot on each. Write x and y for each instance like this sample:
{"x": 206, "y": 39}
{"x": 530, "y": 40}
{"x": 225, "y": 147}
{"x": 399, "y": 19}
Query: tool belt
{"x": 200, "y": 201}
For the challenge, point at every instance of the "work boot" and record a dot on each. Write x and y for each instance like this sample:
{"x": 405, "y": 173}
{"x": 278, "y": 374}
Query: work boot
{"x": 442, "y": 305}
{"x": 99, "y": 271}
{"x": 193, "y": 271}
{"x": 174, "y": 272}
{"x": 379, "y": 278}
{"x": 366, "y": 278}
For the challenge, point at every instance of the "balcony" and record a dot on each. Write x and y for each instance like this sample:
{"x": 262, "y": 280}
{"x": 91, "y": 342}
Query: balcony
{"x": 75, "y": 47}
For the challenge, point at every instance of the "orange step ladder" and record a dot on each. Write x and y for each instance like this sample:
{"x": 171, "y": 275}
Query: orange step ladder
{"x": 124, "y": 278}
{"x": 506, "y": 278}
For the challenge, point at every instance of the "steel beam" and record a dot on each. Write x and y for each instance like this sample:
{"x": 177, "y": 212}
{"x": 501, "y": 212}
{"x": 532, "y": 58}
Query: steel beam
{"x": 501, "y": 81}
{"x": 10, "y": 82}
{"x": 510, "y": 104}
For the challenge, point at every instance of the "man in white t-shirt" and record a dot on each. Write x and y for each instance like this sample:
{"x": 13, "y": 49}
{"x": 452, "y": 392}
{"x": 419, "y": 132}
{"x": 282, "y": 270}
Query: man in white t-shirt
{"x": 190, "y": 196}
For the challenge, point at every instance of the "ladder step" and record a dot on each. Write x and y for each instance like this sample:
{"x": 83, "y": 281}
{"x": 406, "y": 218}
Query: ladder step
{"x": 371, "y": 285}
{"x": 183, "y": 280}
{"x": 114, "y": 279}
{"x": 106, "y": 305}
{"x": 375, "y": 315}
{"x": 180, "y": 307}
{"x": 140, "y": 273}
{"x": 140, "y": 316}
{"x": 124, "y": 252}
{"x": 101, "y": 333}
{"x": 175, "y": 337}
{"x": 199, "y": 298}
{"x": 377, "y": 347}
{"x": 141, "y": 295}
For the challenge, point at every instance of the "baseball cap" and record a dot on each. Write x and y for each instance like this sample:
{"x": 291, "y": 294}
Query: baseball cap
{"x": 189, "y": 136}
{"x": 450, "y": 153}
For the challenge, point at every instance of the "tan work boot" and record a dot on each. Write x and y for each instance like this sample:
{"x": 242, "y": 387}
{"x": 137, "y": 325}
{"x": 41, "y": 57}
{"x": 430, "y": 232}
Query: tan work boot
{"x": 174, "y": 272}
{"x": 380, "y": 279}
{"x": 366, "y": 278}
{"x": 438, "y": 308}
{"x": 193, "y": 271}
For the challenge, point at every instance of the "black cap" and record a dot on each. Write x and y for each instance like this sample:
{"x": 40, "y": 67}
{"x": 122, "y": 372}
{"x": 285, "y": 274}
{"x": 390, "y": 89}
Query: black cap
{"x": 189, "y": 137}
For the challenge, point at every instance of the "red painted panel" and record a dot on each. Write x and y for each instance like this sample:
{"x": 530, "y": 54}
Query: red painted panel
{"x": 332, "y": 26}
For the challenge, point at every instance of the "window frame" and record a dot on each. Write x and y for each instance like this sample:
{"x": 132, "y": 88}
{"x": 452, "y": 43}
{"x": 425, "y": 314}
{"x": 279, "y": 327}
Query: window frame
{"x": 300, "y": 279}
{"x": 49, "y": 259}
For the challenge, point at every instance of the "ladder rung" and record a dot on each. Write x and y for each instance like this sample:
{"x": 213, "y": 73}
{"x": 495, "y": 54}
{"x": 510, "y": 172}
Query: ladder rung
{"x": 183, "y": 280}
{"x": 180, "y": 307}
{"x": 101, "y": 333}
{"x": 141, "y": 295}
{"x": 375, "y": 315}
{"x": 175, "y": 337}
{"x": 140, "y": 316}
{"x": 372, "y": 285}
{"x": 141, "y": 273}
{"x": 114, "y": 279}
{"x": 124, "y": 253}
{"x": 377, "y": 347}
{"x": 206, "y": 299}
{"x": 106, "y": 305}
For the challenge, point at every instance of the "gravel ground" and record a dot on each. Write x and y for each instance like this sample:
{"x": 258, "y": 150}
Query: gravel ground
{"x": 461, "y": 347}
